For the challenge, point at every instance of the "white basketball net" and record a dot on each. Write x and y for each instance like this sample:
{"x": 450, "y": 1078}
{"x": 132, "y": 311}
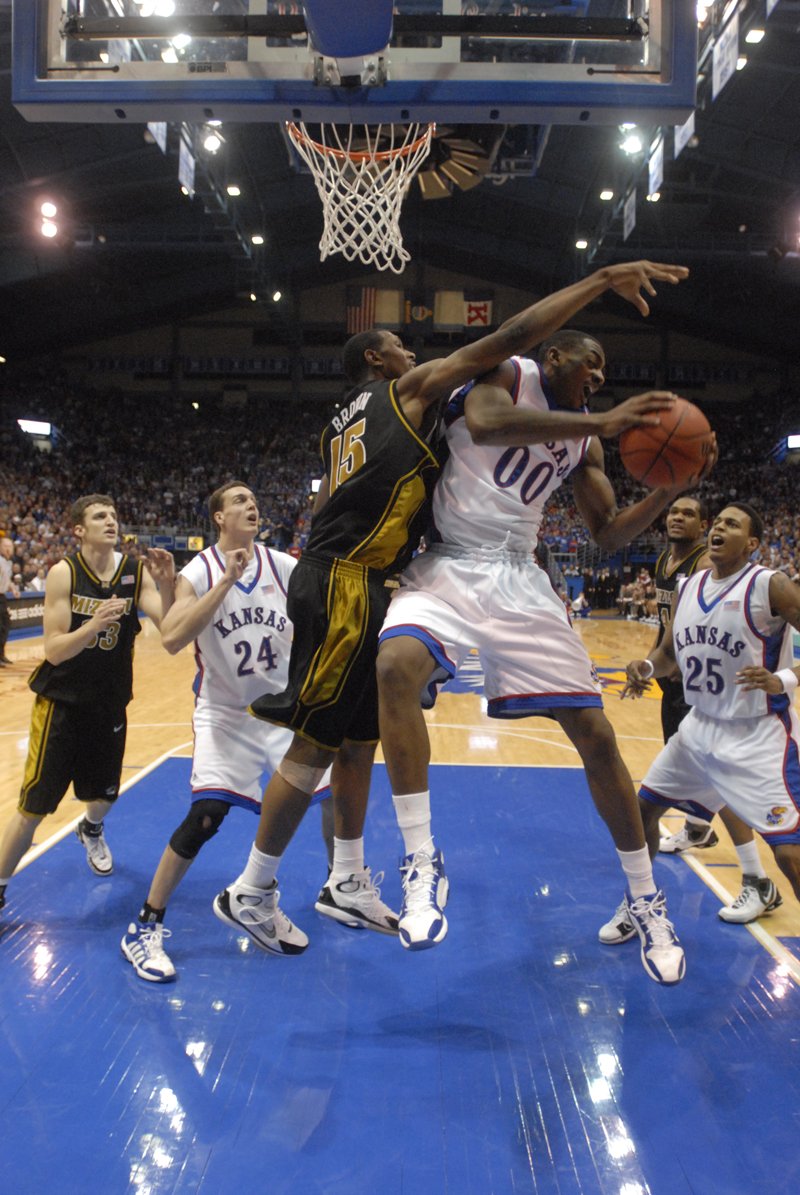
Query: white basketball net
{"x": 362, "y": 174}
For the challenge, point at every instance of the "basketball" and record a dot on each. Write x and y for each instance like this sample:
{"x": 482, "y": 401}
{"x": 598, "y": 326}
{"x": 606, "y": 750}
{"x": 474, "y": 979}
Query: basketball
{"x": 670, "y": 453}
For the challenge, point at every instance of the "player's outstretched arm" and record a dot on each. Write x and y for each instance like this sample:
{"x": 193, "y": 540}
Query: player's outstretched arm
{"x": 157, "y": 591}
{"x": 436, "y": 379}
{"x": 190, "y": 614}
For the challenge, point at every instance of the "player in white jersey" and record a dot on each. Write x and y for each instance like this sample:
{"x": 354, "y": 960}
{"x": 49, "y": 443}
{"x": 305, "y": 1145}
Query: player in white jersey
{"x": 231, "y": 600}
{"x": 731, "y": 636}
{"x": 513, "y": 438}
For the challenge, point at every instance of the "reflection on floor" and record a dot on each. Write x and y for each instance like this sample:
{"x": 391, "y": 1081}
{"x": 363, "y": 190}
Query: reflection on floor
{"x": 519, "y": 1056}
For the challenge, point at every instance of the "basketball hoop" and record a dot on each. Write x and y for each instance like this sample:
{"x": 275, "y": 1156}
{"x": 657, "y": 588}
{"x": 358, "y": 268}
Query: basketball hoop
{"x": 362, "y": 174}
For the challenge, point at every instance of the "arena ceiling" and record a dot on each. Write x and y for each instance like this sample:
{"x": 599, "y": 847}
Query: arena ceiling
{"x": 136, "y": 252}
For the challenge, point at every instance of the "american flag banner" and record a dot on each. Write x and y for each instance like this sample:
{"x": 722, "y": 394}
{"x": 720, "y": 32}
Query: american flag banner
{"x": 360, "y": 309}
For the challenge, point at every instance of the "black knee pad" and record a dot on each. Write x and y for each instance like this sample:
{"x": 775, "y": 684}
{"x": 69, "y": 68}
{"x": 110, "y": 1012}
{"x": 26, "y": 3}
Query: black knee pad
{"x": 201, "y": 823}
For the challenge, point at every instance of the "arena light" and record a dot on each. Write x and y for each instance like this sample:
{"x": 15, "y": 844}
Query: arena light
{"x": 631, "y": 144}
{"x": 654, "y": 197}
{"x": 233, "y": 190}
{"x": 741, "y": 62}
{"x": 49, "y": 229}
{"x": 606, "y": 195}
{"x": 2, "y": 360}
{"x": 276, "y": 296}
{"x": 754, "y": 36}
{"x": 257, "y": 239}
{"x": 315, "y": 484}
{"x": 169, "y": 55}
{"x": 48, "y": 209}
{"x": 793, "y": 442}
{"x": 181, "y": 41}
{"x": 212, "y": 142}
{"x": 581, "y": 244}
{"x": 253, "y": 296}
{"x": 34, "y": 427}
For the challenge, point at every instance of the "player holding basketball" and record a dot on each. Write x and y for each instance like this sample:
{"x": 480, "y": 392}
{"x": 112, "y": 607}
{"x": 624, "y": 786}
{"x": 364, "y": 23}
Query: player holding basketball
{"x": 85, "y": 682}
{"x": 685, "y": 554}
{"x": 513, "y": 439}
{"x": 731, "y": 636}
{"x": 371, "y": 510}
{"x": 231, "y": 601}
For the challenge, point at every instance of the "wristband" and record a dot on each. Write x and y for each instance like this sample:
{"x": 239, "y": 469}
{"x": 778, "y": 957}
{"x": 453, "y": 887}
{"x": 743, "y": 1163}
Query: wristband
{"x": 651, "y": 669}
{"x": 788, "y": 678}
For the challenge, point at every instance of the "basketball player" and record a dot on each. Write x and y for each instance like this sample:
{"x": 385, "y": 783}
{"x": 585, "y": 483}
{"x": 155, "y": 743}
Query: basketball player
{"x": 231, "y": 601}
{"x": 84, "y": 684}
{"x": 371, "y": 510}
{"x": 731, "y": 636}
{"x": 686, "y": 552}
{"x": 513, "y": 438}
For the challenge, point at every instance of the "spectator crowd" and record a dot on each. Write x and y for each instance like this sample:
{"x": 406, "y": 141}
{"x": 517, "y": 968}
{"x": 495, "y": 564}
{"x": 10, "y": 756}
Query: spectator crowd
{"x": 160, "y": 461}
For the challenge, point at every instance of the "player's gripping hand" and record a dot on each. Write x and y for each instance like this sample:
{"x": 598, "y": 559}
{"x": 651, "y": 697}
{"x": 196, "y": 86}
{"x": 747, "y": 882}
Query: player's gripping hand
{"x": 107, "y": 612}
{"x": 160, "y": 564}
{"x": 235, "y": 563}
{"x": 638, "y": 675}
{"x": 753, "y": 677}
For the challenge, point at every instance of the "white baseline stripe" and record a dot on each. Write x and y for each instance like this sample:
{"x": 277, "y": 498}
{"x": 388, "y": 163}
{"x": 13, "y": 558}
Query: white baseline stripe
{"x": 56, "y": 837}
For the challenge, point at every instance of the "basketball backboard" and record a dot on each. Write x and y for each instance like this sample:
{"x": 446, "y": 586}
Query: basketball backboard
{"x": 482, "y": 61}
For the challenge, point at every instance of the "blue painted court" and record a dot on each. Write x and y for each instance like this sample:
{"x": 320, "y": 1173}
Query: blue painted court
{"x": 518, "y": 1057}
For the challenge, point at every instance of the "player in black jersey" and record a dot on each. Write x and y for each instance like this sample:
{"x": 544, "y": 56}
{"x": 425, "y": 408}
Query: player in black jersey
{"x": 371, "y": 509}
{"x": 85, "y": 682}
{"x": 686, "y": 553}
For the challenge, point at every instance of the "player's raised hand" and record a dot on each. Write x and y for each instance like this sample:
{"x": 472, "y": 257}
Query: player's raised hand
{"x": 638, "y": 675}
{"x": 235, "y": 563}
{"x": 630, "y": 278}
{"x": 160, "y": 564}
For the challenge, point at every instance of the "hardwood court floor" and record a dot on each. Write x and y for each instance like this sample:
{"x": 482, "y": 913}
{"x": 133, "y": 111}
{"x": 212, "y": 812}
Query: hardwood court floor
{"x": 520, "y": 1057}
{"x": 159, "y": 723}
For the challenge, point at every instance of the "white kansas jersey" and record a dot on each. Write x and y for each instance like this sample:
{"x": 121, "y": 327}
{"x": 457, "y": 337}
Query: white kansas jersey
{"x": 484, "y": 489}
{"x": 721, "y": 626}
{"x": 244, "y": 650}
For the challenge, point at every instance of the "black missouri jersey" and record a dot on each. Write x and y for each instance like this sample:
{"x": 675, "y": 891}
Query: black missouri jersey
{"x": 381, "y": 475}
{"x": 101, "y": 674}
{"x": 666, "y": 583}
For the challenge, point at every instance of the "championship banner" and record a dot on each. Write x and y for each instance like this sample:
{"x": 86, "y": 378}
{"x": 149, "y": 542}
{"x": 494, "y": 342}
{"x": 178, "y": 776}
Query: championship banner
{"x": 389, "y": 309}
{"x": 477, "y": 309}
{"x": 448, "y": 310}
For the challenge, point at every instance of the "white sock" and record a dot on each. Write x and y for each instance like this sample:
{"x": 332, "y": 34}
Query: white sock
{"x": 750, "y": 862}
{"x": 638, "y": 869}
{"x": 348, "y": 857}
{"x": 413, "y": 812}
{"x": 261, "y": 869}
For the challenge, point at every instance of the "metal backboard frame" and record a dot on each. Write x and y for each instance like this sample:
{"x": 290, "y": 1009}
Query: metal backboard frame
{"x": 261, "y": 81}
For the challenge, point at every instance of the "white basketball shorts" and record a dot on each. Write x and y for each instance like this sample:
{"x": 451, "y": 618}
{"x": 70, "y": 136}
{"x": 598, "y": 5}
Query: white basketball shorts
{"x": 503, "y": 604}
{"x": 235, "y": 754}
{"x": 750, "y": 764}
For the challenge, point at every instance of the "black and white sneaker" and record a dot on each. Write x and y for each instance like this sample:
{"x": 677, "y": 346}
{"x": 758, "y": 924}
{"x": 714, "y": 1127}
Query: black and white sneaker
{"x": 619, "y": 929}
{"x": 256, "y": 911}
{"x": 356, "y": 902}
{"x": 758, "y": 896}
{"x": 98, "y": 856}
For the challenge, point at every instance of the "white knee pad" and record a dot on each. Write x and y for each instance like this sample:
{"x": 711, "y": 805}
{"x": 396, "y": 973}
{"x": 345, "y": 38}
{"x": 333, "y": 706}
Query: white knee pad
{"x": 300, "y": 775}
